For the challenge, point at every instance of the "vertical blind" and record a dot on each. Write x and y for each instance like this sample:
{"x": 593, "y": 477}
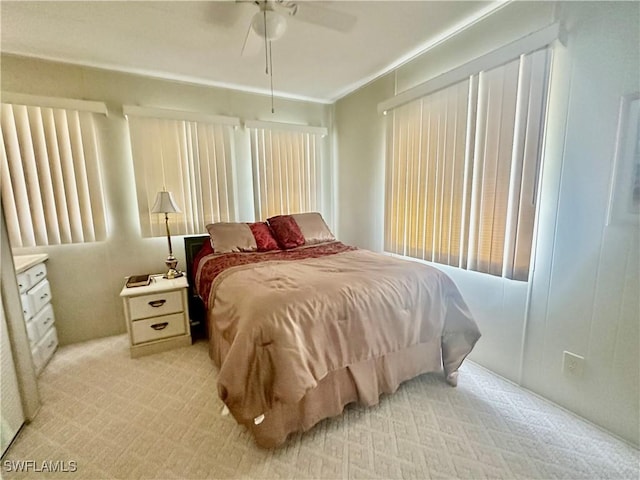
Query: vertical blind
{"x": 193, "y": 160}
{"x": 426, "y": 177}
{"x": 462, "y": 170}
{"x": 51, "y": 183}
{"x": 286, "y": 171}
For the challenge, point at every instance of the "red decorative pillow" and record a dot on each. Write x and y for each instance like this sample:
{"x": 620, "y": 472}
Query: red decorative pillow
{"x": 263, "y": 236}
{"x": 286, "y": 231}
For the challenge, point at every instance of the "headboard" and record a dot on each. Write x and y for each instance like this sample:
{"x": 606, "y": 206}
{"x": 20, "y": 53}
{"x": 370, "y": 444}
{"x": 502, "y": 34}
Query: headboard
{"x": 192, "y": 246}
{"x": 197, "y": 311}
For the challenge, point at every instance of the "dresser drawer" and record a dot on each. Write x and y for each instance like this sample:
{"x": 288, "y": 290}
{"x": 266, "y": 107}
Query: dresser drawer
{"x": 47, "y": 345}
{"x": 23, "y": 281}
{"x": 27, "y": 306}
{"x": 37, "y": 273}
{"x": 158, "y": 327}
{"x": 43, "y": 320}
{"x": 40, "y": 295}
{"x": 154, "y": 305}
{"x": 32, "y": 332}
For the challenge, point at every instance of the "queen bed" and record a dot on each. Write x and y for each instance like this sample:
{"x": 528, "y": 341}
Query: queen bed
{"x": 301, "y": 325}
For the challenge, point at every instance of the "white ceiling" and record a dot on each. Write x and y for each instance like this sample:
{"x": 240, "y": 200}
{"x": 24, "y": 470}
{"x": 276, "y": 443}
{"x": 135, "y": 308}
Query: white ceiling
{"x": 201, "y": 41}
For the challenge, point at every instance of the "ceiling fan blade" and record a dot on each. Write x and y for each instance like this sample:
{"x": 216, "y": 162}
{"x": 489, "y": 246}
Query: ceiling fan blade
{"x": 252, "y": 43}
{"x": 223, "y": 13}
{"x": 324, "y": 17}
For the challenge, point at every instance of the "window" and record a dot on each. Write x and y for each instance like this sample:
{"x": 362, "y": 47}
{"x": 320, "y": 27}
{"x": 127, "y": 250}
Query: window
{"x": 190, "y": 155}
{"x": 462, "y": 169}
{"x": 286, "y": 168}
{"x": 51, "y": 183}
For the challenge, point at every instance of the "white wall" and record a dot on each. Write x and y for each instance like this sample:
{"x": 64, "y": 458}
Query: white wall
{"x": 584, "y": 296}
{"x": 505, "y": 25}
{"x": 87, "y": 278}
{"x": 586, "y": 283}
{"x": 359, "y": 166}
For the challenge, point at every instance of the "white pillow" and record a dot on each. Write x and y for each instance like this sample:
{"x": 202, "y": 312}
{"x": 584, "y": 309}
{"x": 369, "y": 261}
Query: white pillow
{"x": 231, "y": 237}
{"x": 313, "y": 228}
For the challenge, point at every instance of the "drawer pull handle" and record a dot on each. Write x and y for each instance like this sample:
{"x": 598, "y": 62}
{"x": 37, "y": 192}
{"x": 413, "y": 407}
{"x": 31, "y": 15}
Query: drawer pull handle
{"x": 51, "y": 343}
{"x": 160, "y": 326}
{"x": 20, "y": 285}
{"x": 39, "y": 274}
{"x": 157, "y": 303}
{"x": 44, "y": 296}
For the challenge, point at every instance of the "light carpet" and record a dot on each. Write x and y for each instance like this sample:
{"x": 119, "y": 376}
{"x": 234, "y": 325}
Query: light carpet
{"x": 159, "y": 417}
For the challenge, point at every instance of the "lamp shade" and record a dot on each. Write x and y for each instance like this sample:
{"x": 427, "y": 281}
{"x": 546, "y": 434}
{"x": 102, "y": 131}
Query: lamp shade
{"x": 165, "y": 203}
{"x": 269, "y": 24}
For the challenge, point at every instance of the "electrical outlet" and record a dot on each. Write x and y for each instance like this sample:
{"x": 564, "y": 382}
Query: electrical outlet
{"x": 572, "y": 364}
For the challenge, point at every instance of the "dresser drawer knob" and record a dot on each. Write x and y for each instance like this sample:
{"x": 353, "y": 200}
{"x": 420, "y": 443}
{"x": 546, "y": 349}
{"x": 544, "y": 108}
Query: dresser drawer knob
{"x": 157, "y": 303}
{"x": 44, "y": 296}
{"x": 39, "y": 274}
{"x": 160, "y": 326}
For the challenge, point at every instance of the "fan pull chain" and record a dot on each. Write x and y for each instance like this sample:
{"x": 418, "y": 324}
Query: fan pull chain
{"x": 271, "y": 74}
{"x": 268, "y": 58}
{"x": 266, "y": 50}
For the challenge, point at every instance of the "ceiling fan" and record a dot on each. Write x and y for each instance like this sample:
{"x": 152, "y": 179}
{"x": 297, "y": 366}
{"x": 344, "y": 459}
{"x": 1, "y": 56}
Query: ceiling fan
{"x": 269, "y": 23}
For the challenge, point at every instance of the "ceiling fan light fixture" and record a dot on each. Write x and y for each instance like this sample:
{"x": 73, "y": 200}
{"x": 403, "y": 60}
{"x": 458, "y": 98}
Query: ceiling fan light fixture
{"x": 272, "y": 27}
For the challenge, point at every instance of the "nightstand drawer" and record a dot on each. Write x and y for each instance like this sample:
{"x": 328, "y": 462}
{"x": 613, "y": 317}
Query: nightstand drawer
{"x": 155, "y": 305}
{"x": 157, "y": 328}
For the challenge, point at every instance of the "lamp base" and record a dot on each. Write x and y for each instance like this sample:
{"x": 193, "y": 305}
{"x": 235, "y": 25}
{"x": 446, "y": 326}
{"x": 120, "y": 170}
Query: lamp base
{"x": 171, "y": 262}
{"x": 173, "y": 273}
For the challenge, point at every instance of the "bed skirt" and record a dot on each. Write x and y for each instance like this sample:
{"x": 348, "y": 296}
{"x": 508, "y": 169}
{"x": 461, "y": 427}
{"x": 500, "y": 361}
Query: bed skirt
{"x": 362, "y": 382}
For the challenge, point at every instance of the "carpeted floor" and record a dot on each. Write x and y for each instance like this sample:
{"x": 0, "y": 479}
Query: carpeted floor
{"x": 159, "y": 417}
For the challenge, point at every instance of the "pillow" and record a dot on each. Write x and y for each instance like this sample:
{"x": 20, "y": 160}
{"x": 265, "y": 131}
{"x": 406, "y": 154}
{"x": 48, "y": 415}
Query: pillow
{"x": 286, "y": 231}
{"x": 313, "y": 228}
{"x": 264, "y": 237}
{"x": 232, "y": 237}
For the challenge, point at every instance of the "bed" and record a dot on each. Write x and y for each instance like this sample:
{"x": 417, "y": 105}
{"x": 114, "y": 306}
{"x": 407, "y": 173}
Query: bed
{"x": 303, "y": 329}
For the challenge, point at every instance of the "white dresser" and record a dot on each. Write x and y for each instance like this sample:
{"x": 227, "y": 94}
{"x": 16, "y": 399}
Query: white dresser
{"x": 35, "y": 294}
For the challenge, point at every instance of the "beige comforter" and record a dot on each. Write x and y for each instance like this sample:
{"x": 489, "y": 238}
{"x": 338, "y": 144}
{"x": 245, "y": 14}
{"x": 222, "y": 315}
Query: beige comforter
{"x": 288, "y": 324}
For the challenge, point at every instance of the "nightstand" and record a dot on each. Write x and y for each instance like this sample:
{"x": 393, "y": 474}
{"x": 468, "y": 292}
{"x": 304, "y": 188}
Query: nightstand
{"x": 157, "y": 315}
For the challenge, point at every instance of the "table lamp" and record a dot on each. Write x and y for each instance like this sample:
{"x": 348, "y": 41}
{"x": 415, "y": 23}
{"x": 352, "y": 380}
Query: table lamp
{"x": 166, "y": 204}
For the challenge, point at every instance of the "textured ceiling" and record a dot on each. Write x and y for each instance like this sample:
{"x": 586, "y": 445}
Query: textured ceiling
{"x": 202, "y": 41}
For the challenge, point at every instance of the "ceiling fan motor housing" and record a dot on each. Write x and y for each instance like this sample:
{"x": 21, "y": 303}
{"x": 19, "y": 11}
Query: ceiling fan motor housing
{"x": 269, "y": 24}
